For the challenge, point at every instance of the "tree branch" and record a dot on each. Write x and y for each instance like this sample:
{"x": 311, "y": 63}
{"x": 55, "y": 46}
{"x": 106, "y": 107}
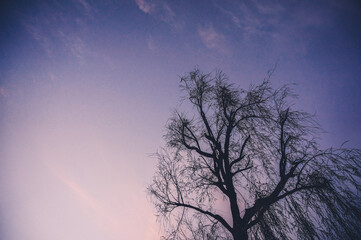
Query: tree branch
{"x": 241, "y": 156}
{"x": 214, "y": 216}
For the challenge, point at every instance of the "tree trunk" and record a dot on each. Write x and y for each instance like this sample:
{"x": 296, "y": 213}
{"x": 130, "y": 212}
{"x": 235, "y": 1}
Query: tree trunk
{"x": 238, "y": 225}
{"x": 240, "y": 235}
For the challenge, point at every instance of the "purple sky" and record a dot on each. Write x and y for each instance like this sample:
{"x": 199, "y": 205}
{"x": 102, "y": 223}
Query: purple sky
{"x": 87, "y": 86}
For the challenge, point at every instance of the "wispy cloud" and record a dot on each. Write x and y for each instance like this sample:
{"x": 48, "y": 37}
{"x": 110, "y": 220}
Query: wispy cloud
{"x": 37, "y": 32}
{"x": 259, "y": 16}
{"x": 87, "y": 7}
{"x": 56, "y": 29}
{"x": 284, "y": 25}
{"x": 268, "y": 7}
{"x": 212, "y": 39}
{"x": 75, "y": 44}
{"x": 145, "y": 5}
{"x": 255, "y": 19}
{"x": 168, "y": 16}
{"x": 161, "y": 10}
{"x": 259, "y": 19}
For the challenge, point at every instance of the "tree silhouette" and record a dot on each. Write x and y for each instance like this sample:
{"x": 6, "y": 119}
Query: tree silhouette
{"x": 251, "y": 151}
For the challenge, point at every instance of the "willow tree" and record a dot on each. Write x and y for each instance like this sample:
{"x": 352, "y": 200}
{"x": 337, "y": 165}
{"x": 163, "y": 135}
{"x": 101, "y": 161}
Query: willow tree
{"x": 259, "y": 157}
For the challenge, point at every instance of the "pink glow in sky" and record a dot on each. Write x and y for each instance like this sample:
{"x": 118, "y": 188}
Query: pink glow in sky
{"x": 75, "y": 172}
{"x": 86, "y": 88}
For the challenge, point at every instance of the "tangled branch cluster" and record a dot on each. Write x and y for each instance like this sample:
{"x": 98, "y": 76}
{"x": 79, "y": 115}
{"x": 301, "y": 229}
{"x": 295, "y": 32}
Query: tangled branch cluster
{"x": 253, "y": 150}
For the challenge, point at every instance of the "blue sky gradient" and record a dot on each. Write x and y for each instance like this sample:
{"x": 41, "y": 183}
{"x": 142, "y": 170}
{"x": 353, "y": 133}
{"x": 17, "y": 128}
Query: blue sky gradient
{"x": 87, "y": 86}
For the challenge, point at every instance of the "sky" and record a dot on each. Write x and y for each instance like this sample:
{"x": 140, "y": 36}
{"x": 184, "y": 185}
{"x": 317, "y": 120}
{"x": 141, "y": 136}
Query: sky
{"x": 86, "y": 88}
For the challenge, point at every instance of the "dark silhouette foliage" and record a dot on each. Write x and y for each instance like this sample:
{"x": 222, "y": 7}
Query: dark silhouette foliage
{"x": 253, "y": 152}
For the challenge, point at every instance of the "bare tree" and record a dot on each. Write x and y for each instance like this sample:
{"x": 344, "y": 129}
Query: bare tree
{"x": 254, "y": 151}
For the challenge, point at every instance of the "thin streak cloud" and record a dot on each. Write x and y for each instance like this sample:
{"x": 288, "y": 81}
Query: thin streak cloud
{"x": 212, "y": 39}
{"x": 102, "y": 218}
